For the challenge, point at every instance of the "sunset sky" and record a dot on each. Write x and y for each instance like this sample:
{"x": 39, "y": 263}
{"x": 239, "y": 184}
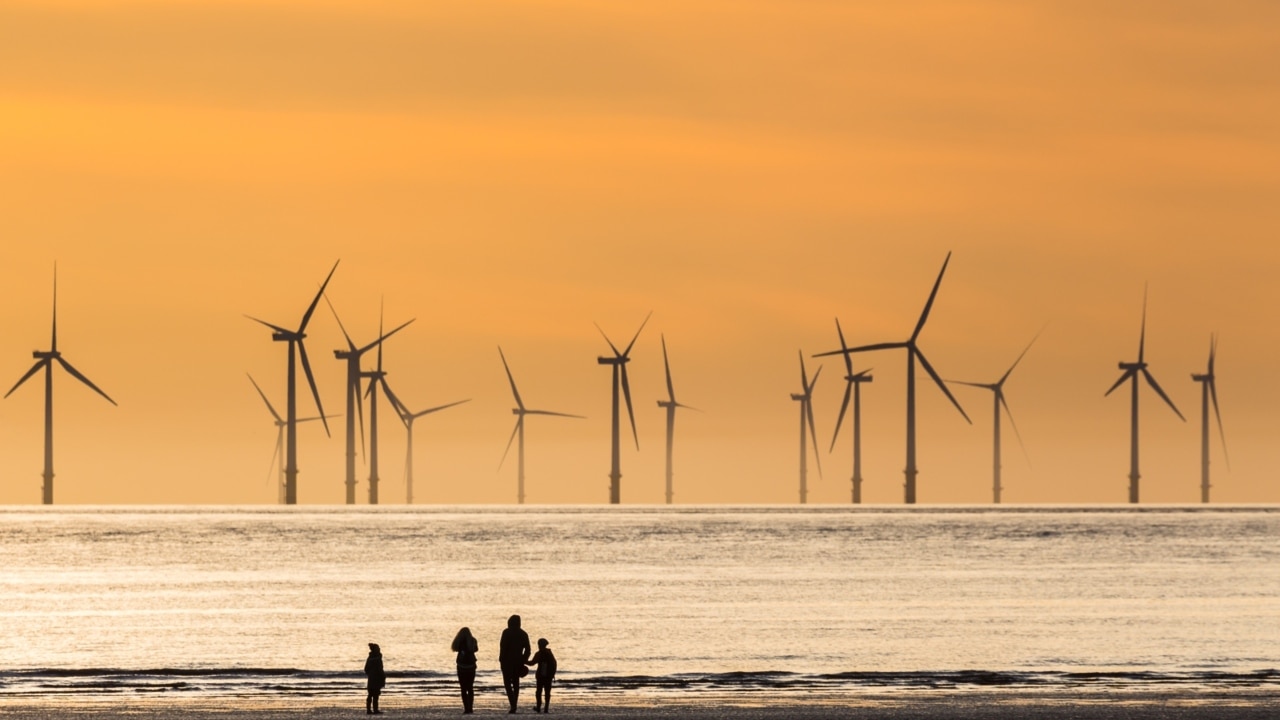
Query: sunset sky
{"x": 509, "y": 172}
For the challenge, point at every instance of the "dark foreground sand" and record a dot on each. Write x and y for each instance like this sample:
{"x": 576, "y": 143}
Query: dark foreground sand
{"x": 1236, "y": 703}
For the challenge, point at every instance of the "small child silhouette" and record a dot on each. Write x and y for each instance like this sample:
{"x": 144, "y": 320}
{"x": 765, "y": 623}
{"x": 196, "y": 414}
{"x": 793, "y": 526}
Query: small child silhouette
{"x": 546, "y": 662}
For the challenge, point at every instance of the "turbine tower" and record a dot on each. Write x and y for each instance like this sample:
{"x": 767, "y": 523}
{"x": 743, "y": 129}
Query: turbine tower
{"x": 805, "y": 399}
{"x": 297, "y": 348}
{"x": 619, "y": 362}
{"x": 45, "y": 360}
{"x": 853, "y": 386}
{"x": 913, "y": 353}
{"x": 520, "y": 411}
{"x": 670, "y": 405}
{"x": 1209, "y": 391}
{"x": 376, "y": 377}
{"x": 1131, "y": 372}
{"x": 355, "y": 402}
{"x": 279, "y": 451}
{"x": 997, "y": 391}
{"x": 407, "y": 417}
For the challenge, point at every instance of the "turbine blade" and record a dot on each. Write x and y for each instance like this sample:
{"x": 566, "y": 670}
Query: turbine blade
{"x": 1213, "y": 394}
{"x": 401, "y": 409}
{"x": 984, "y": 386}
{"x": 804, "y": 376}
{"x": 1123, "y": 377}
{"x": 311, "y": 380}
{"x": 351, "y": 346}
{"x": 808, "y": 389}
{"x": 306, "y": 317}
{"x": 514, "y": 430}
{"x": 941, "y": 385}
{"x": 79, "y": 376}
{"x": 844, "y": 407}
{"x": 378, "y": 343}
{"x": 1013, "y": 424}
{"x": 844, "y": 349}
{"x": 1156, "y": 386}
{"x": 626, "y": 392}
{"x": 354, "y": 386}
{"x": 1009, "y": 372}
{"x": 1213, "y": 352}
{"x": 34, "y": 369}
{"x": 381, "y": 308}
{"x": 54, "y": 341}
{"x": 864, "y": 348}
{"x": 1142, "y": 338}
{"x": 277, "y": 328}
{"x": 813, "y": 432}
{"x": 928, "y": 306}
{"x": 556, "y": 414}
{"x": 273, "y": 470}
{"x": 438, "y": 408}
{"x": 612, "y": 347}
{"x": 666, "y": 365}
{"x": 687, "y": 407}
{"x": 510, "y": 379}
{"x": 637, "y": 335}
{"x": 263, "y": 395}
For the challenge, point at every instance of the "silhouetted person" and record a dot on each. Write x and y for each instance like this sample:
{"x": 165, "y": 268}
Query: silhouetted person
{"x": 377, "y": 679}
{"x": 513, "y": 653}
{"x": 546, "y": 662}
{"x": 464, "y": 643}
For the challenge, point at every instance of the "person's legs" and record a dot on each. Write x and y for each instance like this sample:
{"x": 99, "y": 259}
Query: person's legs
{"x": 466, "y": 682}
{"x": 511, "y": 680}
{"x": 546, "y": 701}
{"x": 376, "y": 694}
{"x": 368, "y": 702}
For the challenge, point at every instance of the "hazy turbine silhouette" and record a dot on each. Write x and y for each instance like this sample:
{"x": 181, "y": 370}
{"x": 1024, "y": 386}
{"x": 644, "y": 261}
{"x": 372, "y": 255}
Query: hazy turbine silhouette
{"x": 670, "y": 405}
{"x": 376, "y": 377}
{"x": 520, "y": 411}
{"x": 279, "y": 451}
{"x": 997, "y": 392}
{"x": 1131, "y": 373}
{"x": 45, "y": 360}
{"x": 1209, "y": 391}
{"x": 297, "y": 348}
{"x": 355, "y": 402}
{"x": 619, "y": 362}
{"x": 853, "y": 386}
{"x": 805, "y": 399}
{"x": 913, "y": 353}
{"x": 407, "y": 417}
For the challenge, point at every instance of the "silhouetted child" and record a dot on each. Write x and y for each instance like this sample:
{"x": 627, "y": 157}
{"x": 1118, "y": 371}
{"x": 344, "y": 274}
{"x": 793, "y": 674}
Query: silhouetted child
{"x": 546, "y": 662}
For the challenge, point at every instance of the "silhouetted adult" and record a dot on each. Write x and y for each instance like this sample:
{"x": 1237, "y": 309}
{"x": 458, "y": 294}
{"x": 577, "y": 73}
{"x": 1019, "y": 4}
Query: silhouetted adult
{"x": 377, "y": 679}
{"x": 513, "y": 652}
{"x": 464, "y": 643}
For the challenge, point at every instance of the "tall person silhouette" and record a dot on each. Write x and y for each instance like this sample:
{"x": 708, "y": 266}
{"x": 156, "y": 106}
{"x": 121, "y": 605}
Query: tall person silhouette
{"x": 377, "y": 679}
{"x": 513, "y": 653}
{"x": 464, "y": 643}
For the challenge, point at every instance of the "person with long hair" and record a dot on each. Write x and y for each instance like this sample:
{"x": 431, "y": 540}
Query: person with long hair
{"x": 464, "y": 643}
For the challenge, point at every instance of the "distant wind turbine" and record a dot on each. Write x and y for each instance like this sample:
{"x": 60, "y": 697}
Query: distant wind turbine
{"x": 1209, "y": 391}
{"x": 355, "y": 403}
{"x": 805, "y": 399}
{"x": 297, "y": 348}
{"x": 1131, "y": 373}
{"x": 520, "y": 411}
{"x": 670, "y": 405}
{"x": 619, "y": 362}
{"x": 853, "y": 385}
{"x": 997, "y": 392}
{"x": 913, "y": 353}
{"x": 279, "y": 451}
{"x": 407, "y": 417}
{"x": 376, "y": 377}
{"x": 45, "y": 360}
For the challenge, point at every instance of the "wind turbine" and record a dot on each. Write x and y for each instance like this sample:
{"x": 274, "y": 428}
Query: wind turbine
{"x": 520, "y": 411}
{"x": 853, "y": 386}
{"x": 806, "y": 414}
{"x": 355, "y": 402}
{"x": 670, "y": 405}
{"x": 407, "y": 417}
{"x": 1131, "y": 373}
{"x": 280, "y": 425}
{"x": 45, "y": 360}
{"x": 1209, "y": 391}
{"x": 619, "y": 362}
{"x": 997, "y": 392}
{"x": 913, "y": 353}
{"x": 297, "y": 348}
{"x": 376, "y": 377}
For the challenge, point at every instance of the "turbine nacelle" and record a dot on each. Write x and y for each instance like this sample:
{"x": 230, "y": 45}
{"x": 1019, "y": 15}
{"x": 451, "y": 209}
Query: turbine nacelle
{"x": 46, "y": 354}
{"x": 617, "y": 360}
{"x": 1132, "y": 366}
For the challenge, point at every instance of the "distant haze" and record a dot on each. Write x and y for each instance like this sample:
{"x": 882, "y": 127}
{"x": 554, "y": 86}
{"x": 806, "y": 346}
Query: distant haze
{"x": 510, "y": 172}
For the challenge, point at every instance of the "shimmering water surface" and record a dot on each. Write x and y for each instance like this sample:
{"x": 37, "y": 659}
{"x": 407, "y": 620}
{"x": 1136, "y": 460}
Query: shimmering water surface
{"x": 258, "y": 600}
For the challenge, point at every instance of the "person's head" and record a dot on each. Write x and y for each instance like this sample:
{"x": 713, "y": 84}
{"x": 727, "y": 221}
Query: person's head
{"x": 373, "y": 648}
{"x": 542, "y": 643}
{"x": 462, "y": 639}
{"x": 513, "y": 622}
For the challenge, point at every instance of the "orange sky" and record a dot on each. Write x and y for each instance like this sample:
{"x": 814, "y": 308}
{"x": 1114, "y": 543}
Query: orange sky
{"x": 510, "y": 172}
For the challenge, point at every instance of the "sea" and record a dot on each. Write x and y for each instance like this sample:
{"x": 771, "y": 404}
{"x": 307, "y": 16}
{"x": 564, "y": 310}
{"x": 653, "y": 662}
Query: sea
{"x": 208, "y": 602}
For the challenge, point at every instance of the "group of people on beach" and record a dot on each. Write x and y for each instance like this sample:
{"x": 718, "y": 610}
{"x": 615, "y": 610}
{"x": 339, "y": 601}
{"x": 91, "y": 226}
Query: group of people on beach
{"x": 515, "y": 657}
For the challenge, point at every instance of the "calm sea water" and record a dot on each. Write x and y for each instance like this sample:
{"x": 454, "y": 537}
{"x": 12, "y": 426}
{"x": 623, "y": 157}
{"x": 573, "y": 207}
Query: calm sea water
{"x": 638, "y": 599}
